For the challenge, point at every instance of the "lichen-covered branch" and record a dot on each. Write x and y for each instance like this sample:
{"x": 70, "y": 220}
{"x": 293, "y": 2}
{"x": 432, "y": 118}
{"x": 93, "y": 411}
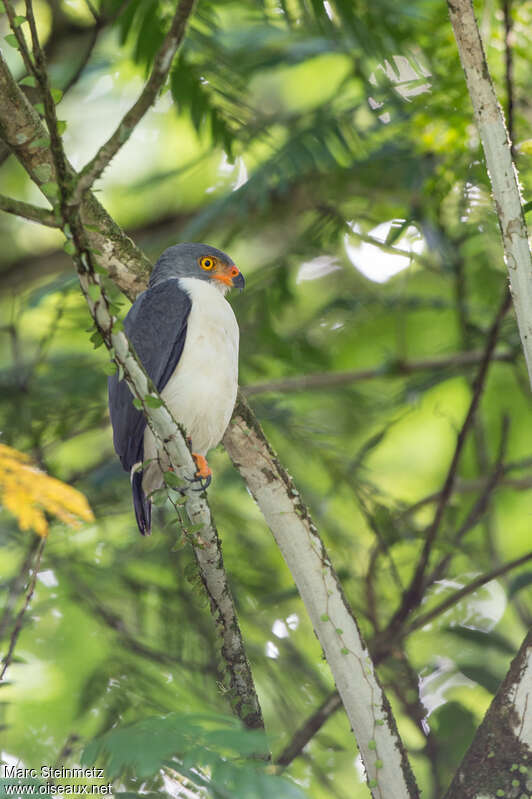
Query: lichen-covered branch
{"x": 387, "y": 768}
{"x": 500, "y": 166}
{"x": 161, "y": 67}
{"x": 204, "y": 539}
{"x": 499, "y": 761}
{"x": 45, "y": 162}
{"x": 23, "y": 132}
{"x": 32, "y": 212}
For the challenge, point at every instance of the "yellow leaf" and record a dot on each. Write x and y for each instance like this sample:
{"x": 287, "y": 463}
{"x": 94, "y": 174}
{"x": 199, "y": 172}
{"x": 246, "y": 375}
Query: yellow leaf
{"x": 29, "y": 494}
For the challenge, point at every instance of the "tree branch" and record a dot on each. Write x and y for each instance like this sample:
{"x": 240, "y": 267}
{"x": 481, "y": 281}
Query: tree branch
{"x": 205, "y": 541}
{"x": 478, "y": 582}
{"x": 387, "y": 768}
{"x": 25, "y": 135}
{"x": 16, "y": 587}
{"x": 326, "y": 380}
{"x": 308, "y": 729}
{"x": 500, "y": 167}
{"x": 118, "y": 255}
{"x": 414, "y": 592}
{"x": 32, "y": 212}
{"x": 498, "y": 761}
{"x": 509, "y": 71}
{"x": 20, "y": 618}
{"x": 160, "y": 69}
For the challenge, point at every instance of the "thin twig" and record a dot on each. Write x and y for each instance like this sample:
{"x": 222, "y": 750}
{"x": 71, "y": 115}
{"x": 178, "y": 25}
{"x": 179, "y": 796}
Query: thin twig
{"x": 116, "y": 623}
{"x": 326, "y": 380}
{"x": 309, "y": 729}
{"x": 16, "y": 587}
{"x": 20, "y": 618}
{"x": 413, "y": 594}
{"x": 76, "y": 75}
{"x": 41, "y": 74}
{"x": 19, "y": 36}
{"x": 32, "y": 212}
{"x": 478, "y": 582}
{"x": 161, "y": 67}
{"x": 476, "y": 512}
{"x": 509, "y": 71}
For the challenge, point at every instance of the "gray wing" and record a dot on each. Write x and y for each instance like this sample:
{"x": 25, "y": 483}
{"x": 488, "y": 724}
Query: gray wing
{"x": 156, "y": 325}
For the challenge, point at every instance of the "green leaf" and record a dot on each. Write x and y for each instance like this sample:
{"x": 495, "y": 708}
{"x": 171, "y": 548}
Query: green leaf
{"x": 11, "y": 39}
{"x": 94, "y": 291}
{"x": 61, "y": 126}
{"x": 50, "y": 188}
{"x": 18, "y": 20}
{"x": 70, "y": 248}
{"x": 29, "y": 80}
{"x": 152, "y": 402}
{"x": 172, "y": 480}
{"x": 137, "y": 404}
{"x": 97, "y": 339}
{"x": 57, "y": 94}
{"x": 159, "y": 497}
{"x": 40, "y": 108}
{"x": 110, "y": 368}
{"x": 188, "y": 743}
{"x": 44, "y": 141}
{"x": 527, "y": 207}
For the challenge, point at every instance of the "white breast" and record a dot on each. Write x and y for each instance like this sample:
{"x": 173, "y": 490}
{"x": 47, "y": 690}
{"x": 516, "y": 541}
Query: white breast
{"x": 201, "y": 393}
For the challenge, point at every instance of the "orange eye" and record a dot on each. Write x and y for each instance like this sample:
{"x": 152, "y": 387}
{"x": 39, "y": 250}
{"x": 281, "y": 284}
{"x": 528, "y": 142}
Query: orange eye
{"x": 206, "y": 263}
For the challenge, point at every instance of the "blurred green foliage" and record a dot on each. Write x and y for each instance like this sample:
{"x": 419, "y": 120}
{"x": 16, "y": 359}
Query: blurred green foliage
{"x": 329, "y": 148}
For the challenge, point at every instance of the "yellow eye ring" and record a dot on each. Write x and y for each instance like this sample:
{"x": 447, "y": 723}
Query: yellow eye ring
{"x": 207, "y": 263}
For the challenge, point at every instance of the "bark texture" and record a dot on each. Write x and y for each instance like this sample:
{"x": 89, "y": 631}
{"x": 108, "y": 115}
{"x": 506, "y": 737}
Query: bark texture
{"x": 501, "y": 170}
{"x": 499, "y": 761}
{"x": 387, "y": 768}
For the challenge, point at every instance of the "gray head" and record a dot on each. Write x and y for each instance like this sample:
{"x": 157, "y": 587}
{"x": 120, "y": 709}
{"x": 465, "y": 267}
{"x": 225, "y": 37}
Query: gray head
{"x": 199, "y": 261}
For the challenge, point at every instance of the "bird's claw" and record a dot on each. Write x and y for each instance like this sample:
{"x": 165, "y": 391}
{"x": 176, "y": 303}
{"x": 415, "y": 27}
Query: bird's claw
{"x": 204, "y": 482}
{"x": 203, "y": 474}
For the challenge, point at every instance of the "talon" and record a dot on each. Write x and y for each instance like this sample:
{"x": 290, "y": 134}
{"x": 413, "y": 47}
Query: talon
{"x": 203, "y": 474}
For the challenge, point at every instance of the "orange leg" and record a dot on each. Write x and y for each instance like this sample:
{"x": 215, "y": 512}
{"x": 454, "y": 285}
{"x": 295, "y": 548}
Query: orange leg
{"x": 203, "y": 473}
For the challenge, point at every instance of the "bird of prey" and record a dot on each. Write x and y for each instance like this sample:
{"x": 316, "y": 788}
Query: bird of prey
{"x": 186, "y": 336}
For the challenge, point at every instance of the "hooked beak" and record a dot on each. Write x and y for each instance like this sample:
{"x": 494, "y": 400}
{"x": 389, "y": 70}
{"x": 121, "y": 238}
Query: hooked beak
{"x": 238, "y": 281}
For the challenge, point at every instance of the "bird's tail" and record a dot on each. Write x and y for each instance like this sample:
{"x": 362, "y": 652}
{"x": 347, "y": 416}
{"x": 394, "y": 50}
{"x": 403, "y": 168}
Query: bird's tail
{"x": 141, "y": 503}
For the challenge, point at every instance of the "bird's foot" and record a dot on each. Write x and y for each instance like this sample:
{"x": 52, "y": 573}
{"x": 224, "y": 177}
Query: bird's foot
{"x": 203, "y": 474}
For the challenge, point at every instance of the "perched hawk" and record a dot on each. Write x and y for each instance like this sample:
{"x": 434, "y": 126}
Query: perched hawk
{"x": 185, "y": 333}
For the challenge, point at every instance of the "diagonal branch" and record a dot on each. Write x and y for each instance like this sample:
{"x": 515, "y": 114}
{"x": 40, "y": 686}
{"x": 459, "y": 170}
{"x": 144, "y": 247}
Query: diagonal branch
{"x": 326, "y": 380}
{"x": 20, "y": 618}
{"x": 478, "y": 582}
{"x": 205, "y": 540}
{"x": 414, "y": 592}
{"x": 387, "y": 768}
{"x": 23, "y": 132}
{"x": 160, "y": 69}
{"x": 501, "y": 170}
{"x": 499, "y": 759}
{"x": 32, "y": 212}
{"x": 16, "y": 587}
{"x": 308, "y": 729}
